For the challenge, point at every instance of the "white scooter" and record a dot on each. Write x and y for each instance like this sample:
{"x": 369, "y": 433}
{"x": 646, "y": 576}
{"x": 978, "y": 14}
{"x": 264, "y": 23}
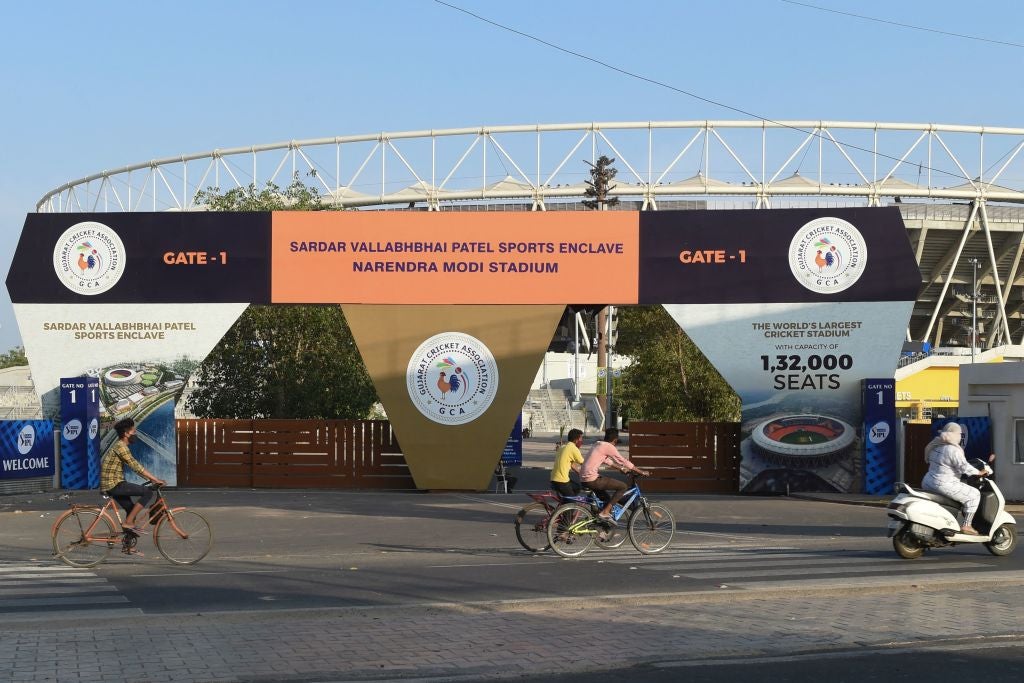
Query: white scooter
{"x": 919, "y": 520}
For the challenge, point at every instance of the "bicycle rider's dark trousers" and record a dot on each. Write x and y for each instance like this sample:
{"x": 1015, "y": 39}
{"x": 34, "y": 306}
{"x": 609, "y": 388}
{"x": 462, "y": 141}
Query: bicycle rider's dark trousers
{"x": 602, "y": 484}
{"x": 124, "y": 491}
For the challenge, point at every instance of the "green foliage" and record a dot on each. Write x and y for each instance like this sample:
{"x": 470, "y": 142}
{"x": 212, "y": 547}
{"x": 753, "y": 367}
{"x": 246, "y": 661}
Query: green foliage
{"x": 289, "y": 362}
{"x": 669, "y": 379}
{"x": 599, "y": 185}
{"x": 281, "y": 361}
{"x": 296, "y": 197}
{"x": 15, "y": 356}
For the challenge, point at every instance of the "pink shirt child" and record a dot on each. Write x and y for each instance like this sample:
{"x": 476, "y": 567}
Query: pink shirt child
{"x": 601, "y": 452}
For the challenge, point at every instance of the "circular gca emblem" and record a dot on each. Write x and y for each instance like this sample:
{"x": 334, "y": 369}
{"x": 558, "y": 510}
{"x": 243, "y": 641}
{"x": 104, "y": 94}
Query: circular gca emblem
{"x": 828, "y": 255}
{"x": 89, "y": 258}
{"x": 452, "y": 378}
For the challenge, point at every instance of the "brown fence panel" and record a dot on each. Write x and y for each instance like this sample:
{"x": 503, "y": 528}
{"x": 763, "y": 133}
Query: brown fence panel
{"x": 378, "y": 459}
{"x": 215, "y": 453}
{"x": 915, "y": 437}
{"x": 687, "y": 457}
{"x": 290, "y": 454}
{"x": 297, "y": 454}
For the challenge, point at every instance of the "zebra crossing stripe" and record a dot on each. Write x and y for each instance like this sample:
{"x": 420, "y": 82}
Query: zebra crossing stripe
{"x": 26, "y": 587}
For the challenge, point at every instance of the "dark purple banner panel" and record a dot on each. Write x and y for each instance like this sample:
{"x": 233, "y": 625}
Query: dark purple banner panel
{"x": 776, "y": 256}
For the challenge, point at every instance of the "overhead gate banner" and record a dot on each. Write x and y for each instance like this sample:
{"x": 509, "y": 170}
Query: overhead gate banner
{"x": 792, "y": 306}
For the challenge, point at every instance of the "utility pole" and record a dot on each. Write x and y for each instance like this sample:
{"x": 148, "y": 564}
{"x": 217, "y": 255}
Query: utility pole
{"x": 609, "y": 413}
{"x": 576, "y": 357}
{"x": 974, "y": 308}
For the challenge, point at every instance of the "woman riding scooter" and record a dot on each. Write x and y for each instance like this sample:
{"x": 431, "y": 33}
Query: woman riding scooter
{"x": 946, "y": 463}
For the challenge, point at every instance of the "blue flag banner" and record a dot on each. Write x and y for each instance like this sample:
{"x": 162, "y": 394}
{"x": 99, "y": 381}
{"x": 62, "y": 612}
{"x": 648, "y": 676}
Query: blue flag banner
{"x": 881, "y": 454}
{"x": 512, "y": 456}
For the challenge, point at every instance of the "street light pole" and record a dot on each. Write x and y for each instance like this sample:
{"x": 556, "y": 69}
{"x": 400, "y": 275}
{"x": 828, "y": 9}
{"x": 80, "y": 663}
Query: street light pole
{"x": 608, "y": 369}
{"x": 974, "y": 307}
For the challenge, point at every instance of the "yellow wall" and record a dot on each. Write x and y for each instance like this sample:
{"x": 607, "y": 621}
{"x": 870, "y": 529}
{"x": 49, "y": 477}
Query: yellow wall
{"x": 935, "y": 386}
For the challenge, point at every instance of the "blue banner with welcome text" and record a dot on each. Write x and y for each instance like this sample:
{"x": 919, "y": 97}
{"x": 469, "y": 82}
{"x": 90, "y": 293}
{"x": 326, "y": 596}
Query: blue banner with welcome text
{"x": 26, "y": 449}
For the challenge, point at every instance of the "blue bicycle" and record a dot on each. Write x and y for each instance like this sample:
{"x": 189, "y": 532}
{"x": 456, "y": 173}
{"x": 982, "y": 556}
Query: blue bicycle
{"x": 533, "y": 519}
{"x": 574, "y": 526}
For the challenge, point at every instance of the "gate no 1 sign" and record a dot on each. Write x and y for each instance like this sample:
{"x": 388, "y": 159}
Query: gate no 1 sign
{"x": 79, "y": 435}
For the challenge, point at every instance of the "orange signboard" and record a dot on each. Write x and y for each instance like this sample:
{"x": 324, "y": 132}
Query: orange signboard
{"x": 378, "y": 257}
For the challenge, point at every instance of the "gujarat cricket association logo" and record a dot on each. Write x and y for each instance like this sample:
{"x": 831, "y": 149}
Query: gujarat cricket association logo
{"x": 827, "y": 255}
{"x": 452, "y": 378}
{"x": 89, "y": 258}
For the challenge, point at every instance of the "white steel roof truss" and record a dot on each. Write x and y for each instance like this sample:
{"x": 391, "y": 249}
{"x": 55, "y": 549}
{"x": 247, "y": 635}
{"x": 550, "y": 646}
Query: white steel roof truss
{"x": 313, "y": 168}
{"x": 565, "y": 159}
{"x": 160, "y": 171}
{"x": 621, "y": 157}
{"x": 686, "y": 148}
{"x": 842, "y": 151}
{"x": 472, "y": 145}
{"x": 956, "y": 161}
{"x": 952, "y": 268}
{"x": 284, "y": 159}
{"x": 359, "y": 170}
{"x": 526, "y": 179}
{"x": 1005, "y": 164}
{"x": 734, "y": 156}
{"x": 904, "y": 158}
{"x": 810, "y": 136}
{"x": 995, "y": 266}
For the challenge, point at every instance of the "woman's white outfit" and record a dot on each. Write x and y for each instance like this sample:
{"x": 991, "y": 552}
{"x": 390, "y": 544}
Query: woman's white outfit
{"x": 946, "y": 462}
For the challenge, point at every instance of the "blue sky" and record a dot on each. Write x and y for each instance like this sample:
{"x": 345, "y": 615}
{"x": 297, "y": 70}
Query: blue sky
{"x": 88, "y": 86}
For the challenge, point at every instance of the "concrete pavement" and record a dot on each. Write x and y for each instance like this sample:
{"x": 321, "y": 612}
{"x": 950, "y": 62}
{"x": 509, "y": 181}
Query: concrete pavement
{"x": 500, "y": 641}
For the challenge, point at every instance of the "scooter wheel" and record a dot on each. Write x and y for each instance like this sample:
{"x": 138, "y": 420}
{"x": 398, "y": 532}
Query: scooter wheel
{"x": 1004, "y": 540}
{"x": 906, "y": 546}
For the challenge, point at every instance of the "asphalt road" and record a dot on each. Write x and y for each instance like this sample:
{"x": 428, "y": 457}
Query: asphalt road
{"x": 992, "y": 662}
{"x": 309, "y": 550}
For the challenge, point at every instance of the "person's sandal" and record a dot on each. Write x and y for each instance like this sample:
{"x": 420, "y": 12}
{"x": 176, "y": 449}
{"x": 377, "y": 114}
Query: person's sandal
{"x": 138, "y": 531}
{"x": 133, "y": 551}
{"x": 970, "y": 530}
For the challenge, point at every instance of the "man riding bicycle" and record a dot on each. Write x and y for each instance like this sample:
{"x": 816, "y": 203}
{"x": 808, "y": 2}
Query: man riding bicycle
{"x": 601, "y": 453}
{"x": 112, "y": 481}
{"x": 568, "y": 457}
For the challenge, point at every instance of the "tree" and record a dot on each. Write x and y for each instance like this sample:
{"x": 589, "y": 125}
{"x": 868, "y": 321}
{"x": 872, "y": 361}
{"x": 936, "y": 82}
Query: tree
{"x": 599, "y": 185}
{"x": 296, "y": 197}
{"x": 285, "y": 362}
{"x": 281, "y": 361}
{"x": 669, "y": 378}
{"x": 15, "y": 356}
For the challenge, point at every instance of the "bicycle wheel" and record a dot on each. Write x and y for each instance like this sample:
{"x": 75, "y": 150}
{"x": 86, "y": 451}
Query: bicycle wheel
{"x": 71, "y": 545}
{"x": 532, "y": 527}
{"x": 571, "y": 530}
{"x": 183, "y": 537}
{"x": 610, "y": 538}
{"x": 651, "y": 528}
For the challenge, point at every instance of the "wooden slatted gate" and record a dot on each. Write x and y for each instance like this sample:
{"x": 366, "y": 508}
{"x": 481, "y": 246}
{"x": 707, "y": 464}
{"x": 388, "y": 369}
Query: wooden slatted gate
{"x": 343, "y": 454}
{"x": 916, "y": 436}
{"x": 687, "y": 457}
